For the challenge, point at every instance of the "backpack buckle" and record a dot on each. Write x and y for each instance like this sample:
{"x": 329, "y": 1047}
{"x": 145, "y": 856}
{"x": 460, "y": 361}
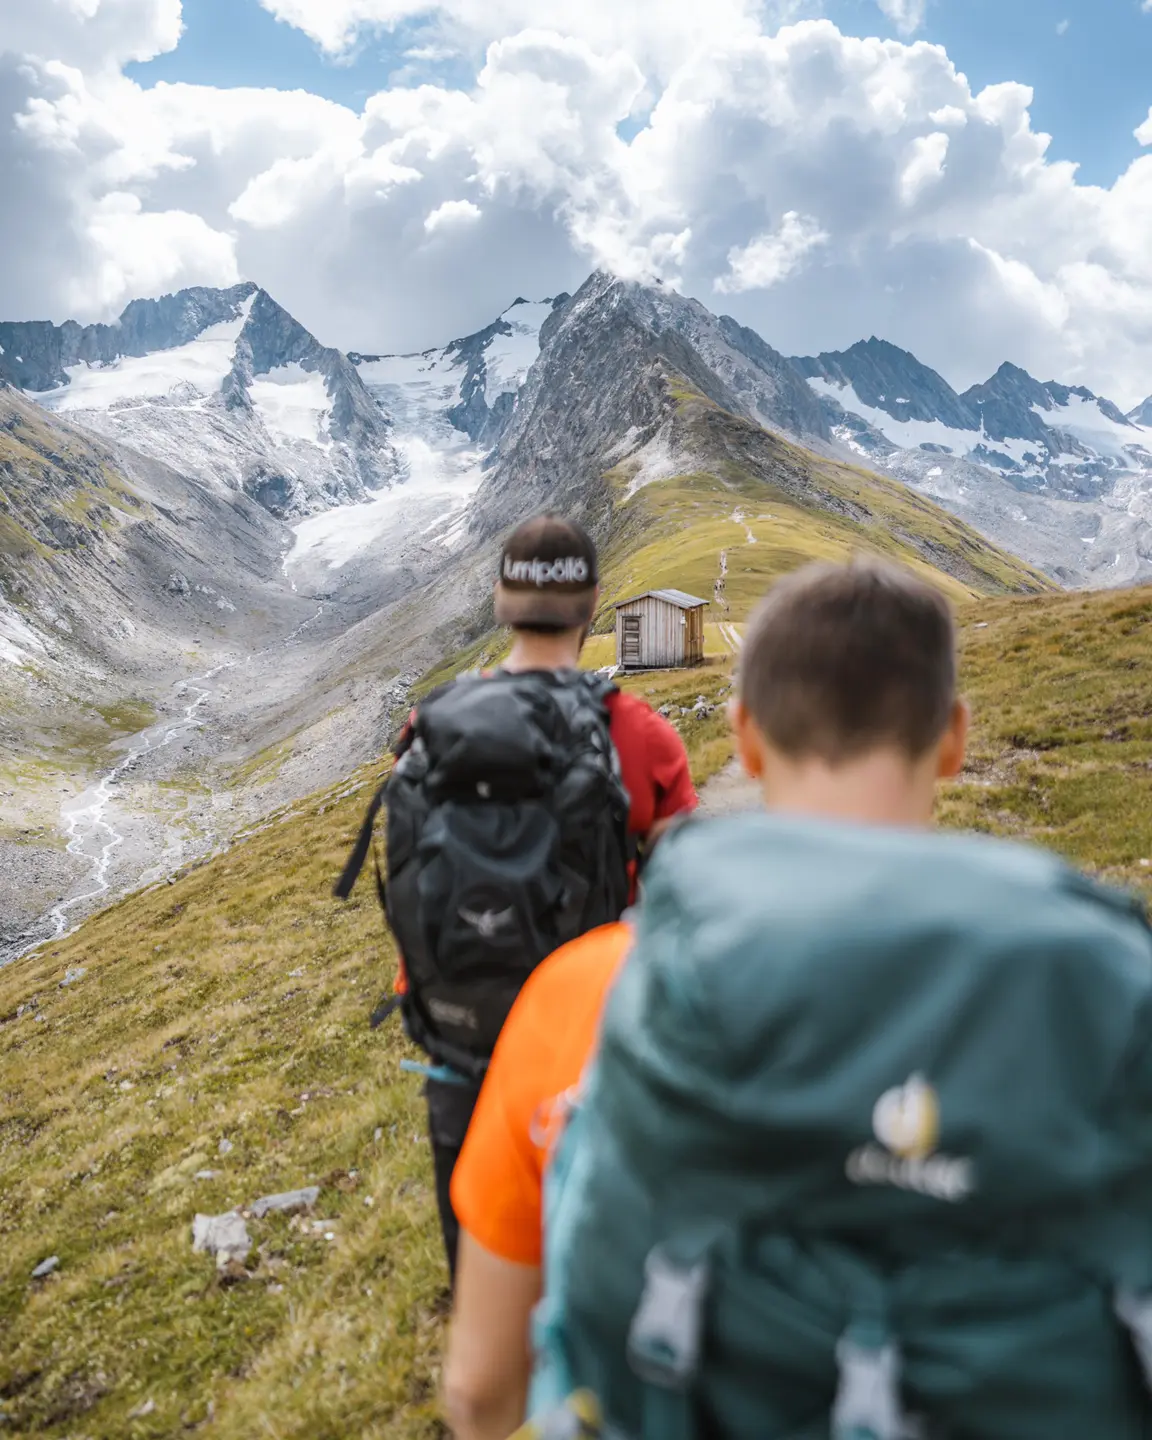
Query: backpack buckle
{"x": 666, "y": 1335}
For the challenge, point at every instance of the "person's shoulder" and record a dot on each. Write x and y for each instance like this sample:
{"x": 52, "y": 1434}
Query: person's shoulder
{"x": 628, "y": 709}
{"x": 636, "y": 717}
{"x": 574, "y": 967}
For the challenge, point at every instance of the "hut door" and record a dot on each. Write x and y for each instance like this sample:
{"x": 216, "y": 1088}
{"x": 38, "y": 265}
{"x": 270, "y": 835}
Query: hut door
{"x": 630, "y": 640}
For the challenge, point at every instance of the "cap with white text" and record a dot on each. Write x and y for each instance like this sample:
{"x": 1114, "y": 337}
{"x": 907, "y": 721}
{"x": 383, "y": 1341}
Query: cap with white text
{"x": 548, "y": 571}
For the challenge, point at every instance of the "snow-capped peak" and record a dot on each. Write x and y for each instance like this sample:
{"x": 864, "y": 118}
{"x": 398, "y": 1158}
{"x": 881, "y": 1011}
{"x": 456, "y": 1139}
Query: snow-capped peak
{"x": 473, "y": 381}
{"x": 222, "y": 384}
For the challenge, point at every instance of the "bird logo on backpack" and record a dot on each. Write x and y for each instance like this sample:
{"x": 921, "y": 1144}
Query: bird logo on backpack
{"x": 907, "y": 1119}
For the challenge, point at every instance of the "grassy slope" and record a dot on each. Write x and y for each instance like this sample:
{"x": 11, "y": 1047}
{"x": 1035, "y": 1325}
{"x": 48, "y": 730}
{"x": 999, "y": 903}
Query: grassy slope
{"x": 212, "y": 1007}
{"x": 46, "y": 467}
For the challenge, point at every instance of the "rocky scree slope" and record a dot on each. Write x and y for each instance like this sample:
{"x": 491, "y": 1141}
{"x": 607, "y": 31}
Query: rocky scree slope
{"x": 119, "y": 581}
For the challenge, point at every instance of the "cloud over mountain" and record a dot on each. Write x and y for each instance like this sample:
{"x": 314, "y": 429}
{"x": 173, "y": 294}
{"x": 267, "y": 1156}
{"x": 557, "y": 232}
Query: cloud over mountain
{"x": 831, "y": 186}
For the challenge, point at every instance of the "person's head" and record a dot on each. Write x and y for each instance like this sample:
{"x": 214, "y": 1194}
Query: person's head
{"x": 548, "y": 586}
{"x": 846, "y": 701}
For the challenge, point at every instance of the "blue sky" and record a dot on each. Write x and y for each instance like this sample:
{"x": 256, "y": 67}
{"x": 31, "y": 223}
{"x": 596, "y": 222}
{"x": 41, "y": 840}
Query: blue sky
{"x": 1089, "y": 61}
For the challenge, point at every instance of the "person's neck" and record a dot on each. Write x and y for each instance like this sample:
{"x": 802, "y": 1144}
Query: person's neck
{"x": 544, "y": 652}
{"x": 883, "y": 788}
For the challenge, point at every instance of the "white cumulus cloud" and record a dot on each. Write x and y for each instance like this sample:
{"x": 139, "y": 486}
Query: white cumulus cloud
{"x": 769, "y": 259}
{"x": 451, "y": 215}
{"x": 830, "y": 186}
{"x": 906, "y": 15}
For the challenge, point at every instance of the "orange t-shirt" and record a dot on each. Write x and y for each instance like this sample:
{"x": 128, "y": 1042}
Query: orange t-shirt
{"x": 497, "y": 1187}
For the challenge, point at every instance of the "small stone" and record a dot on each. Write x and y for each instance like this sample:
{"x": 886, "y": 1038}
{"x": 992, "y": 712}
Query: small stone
{"x": 148, "y": 1408}
{"x": 204, "y": 1175}
{"x": 295, "y": 974}
{"x": 71, "y": 976}
{"x": 46, "y": 1268}
{"x": 225, "y": 1147}
{"x": 225, "y": 1236}
{"x": 291, "y": 1202}
{"x": 379, "y": 1134}
{"x": 126, "y": 1085}
{"x": 275, "y": 1289}
{"x": 369, "y": 1201}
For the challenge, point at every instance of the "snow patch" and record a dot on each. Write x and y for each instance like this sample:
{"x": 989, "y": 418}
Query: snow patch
{"x": 510, "y": 357}
{"x": 1087, "y": 422}
{"x": 293, "y": 403}
{"x": 912, "y": 434}
{"x": 441, "y": 481}
{"x": 204, "y": 364}
{"x": 18, "y": 641}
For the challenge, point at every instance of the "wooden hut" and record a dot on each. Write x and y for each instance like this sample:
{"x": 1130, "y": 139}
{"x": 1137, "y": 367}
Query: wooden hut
{"x": 660, "y": 629}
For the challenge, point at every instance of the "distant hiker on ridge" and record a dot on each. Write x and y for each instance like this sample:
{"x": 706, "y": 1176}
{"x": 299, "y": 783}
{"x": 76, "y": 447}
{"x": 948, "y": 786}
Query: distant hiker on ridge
{"x": 518, "y": 805}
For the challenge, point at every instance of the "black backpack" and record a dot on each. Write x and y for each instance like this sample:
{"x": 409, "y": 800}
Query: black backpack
{"x": 507, "y": 837}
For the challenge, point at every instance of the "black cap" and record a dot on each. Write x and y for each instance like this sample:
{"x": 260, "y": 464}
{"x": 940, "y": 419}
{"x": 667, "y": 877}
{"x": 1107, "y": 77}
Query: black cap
{"x": 548, "y": 573}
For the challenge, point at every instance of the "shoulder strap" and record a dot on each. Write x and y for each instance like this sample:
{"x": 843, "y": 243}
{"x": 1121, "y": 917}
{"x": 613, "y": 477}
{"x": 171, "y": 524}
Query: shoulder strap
{"x": 347, "y": 882}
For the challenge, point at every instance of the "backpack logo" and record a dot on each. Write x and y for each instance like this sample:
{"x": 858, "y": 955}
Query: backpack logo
{"x": 906, "y": 1122}
{"x": 487, "y": 923}
{"x": 460, "y": 1017}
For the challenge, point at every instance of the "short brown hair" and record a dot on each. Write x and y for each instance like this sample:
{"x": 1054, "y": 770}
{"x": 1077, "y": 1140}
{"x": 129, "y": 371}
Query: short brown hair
{"x": 548, "y": 576}
{"x": 843, "y": 659}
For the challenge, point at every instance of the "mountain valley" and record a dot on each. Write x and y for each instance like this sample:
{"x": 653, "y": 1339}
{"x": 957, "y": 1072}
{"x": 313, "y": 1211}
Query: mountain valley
{"x": 228, "y": 552}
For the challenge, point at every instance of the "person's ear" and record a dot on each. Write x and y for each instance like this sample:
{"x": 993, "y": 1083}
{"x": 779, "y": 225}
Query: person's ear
{"x": 749, "y": 742}
{"x": 953, "y": 747}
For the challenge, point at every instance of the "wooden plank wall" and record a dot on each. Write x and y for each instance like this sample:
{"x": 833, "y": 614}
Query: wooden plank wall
{"x": 664, "y": 632}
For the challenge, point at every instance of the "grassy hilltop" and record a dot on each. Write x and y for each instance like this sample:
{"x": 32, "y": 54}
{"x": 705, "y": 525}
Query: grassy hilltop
{"x": 220, "y": 1023}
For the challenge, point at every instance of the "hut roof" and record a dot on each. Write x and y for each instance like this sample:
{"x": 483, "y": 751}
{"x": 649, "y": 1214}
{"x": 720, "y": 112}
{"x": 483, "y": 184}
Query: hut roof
{"x": 679, "y": 598}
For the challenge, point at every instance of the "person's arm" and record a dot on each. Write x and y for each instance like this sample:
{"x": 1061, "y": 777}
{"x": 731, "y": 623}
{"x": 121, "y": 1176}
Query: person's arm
{"x": 489, "y": 1362}
{"x": 675, "y": 794}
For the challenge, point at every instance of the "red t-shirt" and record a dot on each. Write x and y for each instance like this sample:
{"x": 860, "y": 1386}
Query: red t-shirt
{"x": 653, "y": 762}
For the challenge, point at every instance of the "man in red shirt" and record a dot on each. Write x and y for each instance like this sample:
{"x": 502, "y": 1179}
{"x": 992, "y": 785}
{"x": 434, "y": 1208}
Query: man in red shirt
{"x": 547, "y": 593}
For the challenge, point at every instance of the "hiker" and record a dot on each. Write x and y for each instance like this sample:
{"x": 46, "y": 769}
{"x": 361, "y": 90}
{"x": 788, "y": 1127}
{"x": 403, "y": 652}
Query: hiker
{"x": 880, "y": 1097}
{"x": 519, "y": 807}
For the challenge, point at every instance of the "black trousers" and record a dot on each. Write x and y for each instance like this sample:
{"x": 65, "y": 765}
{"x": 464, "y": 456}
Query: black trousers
{"x": 450, "y": 1110}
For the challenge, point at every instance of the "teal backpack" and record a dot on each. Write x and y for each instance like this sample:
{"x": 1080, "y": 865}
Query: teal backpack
{"x": 866, "y": 1152}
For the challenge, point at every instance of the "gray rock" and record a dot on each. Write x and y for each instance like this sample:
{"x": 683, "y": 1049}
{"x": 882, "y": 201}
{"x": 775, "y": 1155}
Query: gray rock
{"x": 225, "y": 1147}
{"x": 72, "y": 975}
{"x": 46, "y": 1268}
{"x": 288, "y": 1203}
{"x": 178, "y": 584}
{"x": 225, "y": 1236}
